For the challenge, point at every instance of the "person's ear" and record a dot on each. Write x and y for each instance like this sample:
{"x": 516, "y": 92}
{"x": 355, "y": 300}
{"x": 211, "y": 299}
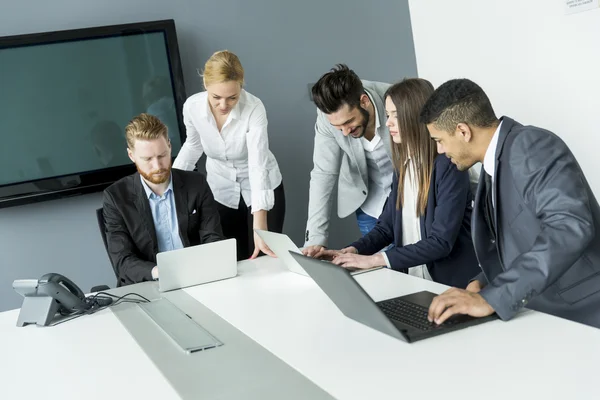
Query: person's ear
{"x": 364, "y": 101}
{"x": 130, "y": 154}
{"x": 464, "y": 131}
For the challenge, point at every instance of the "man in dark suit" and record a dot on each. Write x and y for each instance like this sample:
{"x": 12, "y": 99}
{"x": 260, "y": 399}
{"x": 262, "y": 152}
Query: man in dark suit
{"x": 536, "y": 222}
{"x": 156, "y": 209}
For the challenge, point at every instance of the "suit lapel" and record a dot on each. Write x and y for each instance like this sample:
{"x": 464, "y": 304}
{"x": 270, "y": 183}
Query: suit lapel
{"x": 507, "y": 125}
{"x": 487, "y": 252}
{"x": 181, "y": 204}
{"x": 143, "y": 208}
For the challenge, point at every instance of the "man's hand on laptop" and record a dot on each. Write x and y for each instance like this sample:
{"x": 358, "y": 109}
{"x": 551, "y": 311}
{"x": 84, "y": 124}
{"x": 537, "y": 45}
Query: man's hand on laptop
{"x": 474, "y": 286}
{"x": 458, "y": 301}
{"x": 314, "y": 251}
{"x": 155, "y": 273}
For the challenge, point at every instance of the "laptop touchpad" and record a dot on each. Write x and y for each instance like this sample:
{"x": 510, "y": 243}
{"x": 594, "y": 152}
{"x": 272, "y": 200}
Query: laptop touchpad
{"x": 423, "y": 299}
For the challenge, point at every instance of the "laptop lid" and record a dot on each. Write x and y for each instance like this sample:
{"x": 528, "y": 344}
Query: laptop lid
{"x": 196, "y": 265}
{"x": 281, "y": 245}
{"x": 352, "y": 300}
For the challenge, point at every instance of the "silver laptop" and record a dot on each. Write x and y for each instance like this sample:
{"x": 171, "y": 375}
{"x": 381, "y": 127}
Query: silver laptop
{"x": 281, "y": 245}
{"x": 196, "y": 265}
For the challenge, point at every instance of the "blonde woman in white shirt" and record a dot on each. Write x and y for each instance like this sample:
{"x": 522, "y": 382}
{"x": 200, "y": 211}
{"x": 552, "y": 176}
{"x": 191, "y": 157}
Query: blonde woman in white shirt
{"x": 229, "y": 125}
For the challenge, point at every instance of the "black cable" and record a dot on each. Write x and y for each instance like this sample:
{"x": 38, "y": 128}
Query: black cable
{"x": 114, "y": 300}
{"x": 92, "y": 310}
{"x": 119, "y": 297}
{"x": 127, "y": 301}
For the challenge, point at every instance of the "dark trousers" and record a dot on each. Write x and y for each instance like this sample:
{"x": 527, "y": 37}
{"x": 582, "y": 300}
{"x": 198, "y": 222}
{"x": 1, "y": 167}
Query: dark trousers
{"x": 238, "y": 223}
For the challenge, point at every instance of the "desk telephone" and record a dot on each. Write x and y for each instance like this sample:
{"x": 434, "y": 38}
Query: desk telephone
{"x": 51, "y": 294}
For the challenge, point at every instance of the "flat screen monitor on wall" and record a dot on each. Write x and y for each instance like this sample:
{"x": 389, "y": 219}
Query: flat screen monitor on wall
{"x": 65, "y": 98}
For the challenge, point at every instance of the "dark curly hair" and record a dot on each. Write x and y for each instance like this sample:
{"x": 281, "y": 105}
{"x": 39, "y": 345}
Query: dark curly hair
{"x": 337, "y": 87}
{"x": 458, "y": 101}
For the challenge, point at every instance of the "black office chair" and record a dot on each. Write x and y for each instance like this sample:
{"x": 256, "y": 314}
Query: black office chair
{"x": 100, "y": 219}
{"x": 101, "y": 226}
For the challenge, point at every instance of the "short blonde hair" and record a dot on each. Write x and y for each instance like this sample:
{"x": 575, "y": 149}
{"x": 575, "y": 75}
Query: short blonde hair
{"x": 145, "y": 127}
{"x": 223, "y": 66}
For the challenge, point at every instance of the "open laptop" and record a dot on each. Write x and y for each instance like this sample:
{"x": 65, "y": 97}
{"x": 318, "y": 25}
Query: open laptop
{"x": 196, "y": 265}
{"x": 402, "y": 317}
{"x": 282, "y": 245}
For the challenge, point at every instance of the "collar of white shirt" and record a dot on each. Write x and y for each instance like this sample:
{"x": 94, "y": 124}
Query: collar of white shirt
{"x": 489, "y": 160}
{"x": 377, "y": 124}
{"x": 149, "y": 191}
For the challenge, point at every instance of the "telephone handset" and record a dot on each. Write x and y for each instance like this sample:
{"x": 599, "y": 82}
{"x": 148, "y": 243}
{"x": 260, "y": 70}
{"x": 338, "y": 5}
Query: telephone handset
{"x": 64, "y": 291}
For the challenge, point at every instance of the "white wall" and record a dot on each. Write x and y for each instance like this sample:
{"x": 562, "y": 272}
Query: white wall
{"x": 537, "y": 65}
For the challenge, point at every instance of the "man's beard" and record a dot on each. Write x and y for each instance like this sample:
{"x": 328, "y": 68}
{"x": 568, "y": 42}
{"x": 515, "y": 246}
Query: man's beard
{"x": 153, "y": 178}
{"x": 364, "y": 123}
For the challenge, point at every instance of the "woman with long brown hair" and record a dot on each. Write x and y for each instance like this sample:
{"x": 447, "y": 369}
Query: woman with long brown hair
{"x": 426, "y": 219}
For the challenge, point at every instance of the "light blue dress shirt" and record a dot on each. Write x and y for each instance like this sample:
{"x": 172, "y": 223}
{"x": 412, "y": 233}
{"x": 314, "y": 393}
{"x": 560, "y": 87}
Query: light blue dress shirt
{"x": 164, "y": 215}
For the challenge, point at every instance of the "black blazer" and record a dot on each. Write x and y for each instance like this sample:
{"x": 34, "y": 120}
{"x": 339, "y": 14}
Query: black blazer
{"x": 445, "y": 246}
{"x": 130, "y": 232}
{"x": 546, "y": 254}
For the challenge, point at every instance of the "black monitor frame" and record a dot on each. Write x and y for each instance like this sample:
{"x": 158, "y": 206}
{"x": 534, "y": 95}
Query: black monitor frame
{"x": 53, "y": 188}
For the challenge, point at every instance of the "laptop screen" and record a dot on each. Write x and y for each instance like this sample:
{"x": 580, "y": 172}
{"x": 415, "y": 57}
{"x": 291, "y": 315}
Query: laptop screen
{"x": 352, "y": 300}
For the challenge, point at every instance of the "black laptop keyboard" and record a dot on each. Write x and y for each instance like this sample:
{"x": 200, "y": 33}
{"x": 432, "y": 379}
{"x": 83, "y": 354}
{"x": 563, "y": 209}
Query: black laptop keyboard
{"x": 409, "y": 313}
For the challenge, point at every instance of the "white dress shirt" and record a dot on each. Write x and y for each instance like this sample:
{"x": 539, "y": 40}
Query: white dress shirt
{"x": 411, "y": 223}
{"x": 239, "y": 161}
{"x": 164, "y": 215}
{"x": 381, "y": 172}
{"x": 489, "y": 160}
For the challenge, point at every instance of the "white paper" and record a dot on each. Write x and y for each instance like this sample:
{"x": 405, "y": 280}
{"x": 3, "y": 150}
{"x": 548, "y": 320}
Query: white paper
{"x": 575, "y": 6}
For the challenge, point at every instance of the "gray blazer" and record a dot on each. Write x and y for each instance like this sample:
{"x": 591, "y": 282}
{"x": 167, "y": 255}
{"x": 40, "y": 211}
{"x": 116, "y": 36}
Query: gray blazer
{"x": 547, "y": 229}
{"x": 340, "y": 158}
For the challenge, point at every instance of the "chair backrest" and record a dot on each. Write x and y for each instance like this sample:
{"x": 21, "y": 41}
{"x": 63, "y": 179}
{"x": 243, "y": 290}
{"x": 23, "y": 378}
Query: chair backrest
{"x": 100, "y": 218}
{"x": 102, "y": 227}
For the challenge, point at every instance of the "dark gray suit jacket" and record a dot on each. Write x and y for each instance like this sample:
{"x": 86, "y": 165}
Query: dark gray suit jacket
{"x": 130, "y": 231}
{"x": 547, "y": 252}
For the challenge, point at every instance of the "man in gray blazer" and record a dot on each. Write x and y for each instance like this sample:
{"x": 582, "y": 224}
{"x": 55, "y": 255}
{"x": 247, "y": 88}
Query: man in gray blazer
{"x": 352, "y": 147}
{"x": 536, "y": 222}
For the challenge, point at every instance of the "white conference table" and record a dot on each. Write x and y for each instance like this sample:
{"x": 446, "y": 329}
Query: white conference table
{"x": 92, "y": 357}
{"x": 533, "y": 356}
